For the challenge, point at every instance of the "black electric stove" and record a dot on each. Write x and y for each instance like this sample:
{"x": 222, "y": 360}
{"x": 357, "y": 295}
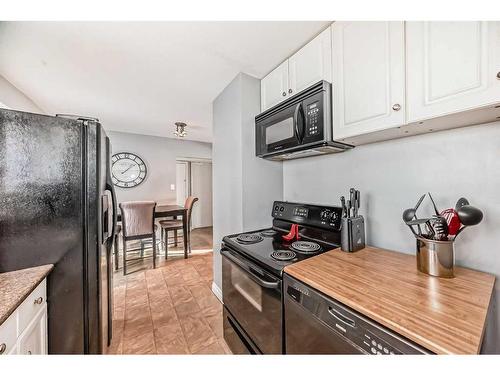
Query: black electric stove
{"x": 271, "y": 251}
{"x": 318, "y": 227}
{"x": 252, "y": 272}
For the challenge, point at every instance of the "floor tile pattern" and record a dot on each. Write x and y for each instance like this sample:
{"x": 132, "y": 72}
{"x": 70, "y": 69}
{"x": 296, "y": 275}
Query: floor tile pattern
{"x": 168, "y": 310}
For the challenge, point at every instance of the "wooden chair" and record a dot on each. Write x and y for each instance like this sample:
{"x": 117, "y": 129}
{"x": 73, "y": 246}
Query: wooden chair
{"x": 176, "y": 225}
{"x": 138, "y": 224}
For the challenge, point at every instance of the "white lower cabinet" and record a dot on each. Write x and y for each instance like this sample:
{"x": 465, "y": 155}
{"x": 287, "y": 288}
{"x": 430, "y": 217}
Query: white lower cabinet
{"x": 25, "y": 330}
{"x": 34, "y": 338}
{"x": 8, "y": 335}
{"x": 13, "y": 351}
{"x": 368, "y": 77}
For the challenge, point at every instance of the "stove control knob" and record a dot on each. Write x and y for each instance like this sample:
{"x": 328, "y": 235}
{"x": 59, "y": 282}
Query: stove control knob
{"x": 334, "y": 216}
{"x": 325, "y": 215}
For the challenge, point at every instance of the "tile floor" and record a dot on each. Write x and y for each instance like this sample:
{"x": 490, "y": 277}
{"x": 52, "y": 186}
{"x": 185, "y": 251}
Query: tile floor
{"x": 168, "y": 310}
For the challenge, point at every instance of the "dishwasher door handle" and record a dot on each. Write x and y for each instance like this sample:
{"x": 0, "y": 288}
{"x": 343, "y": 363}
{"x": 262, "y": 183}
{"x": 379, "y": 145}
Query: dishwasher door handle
{"x": 340, "y": 317}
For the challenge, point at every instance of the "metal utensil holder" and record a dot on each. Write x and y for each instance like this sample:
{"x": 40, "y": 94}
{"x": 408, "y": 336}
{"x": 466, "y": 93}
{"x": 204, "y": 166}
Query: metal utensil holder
{"x": 435, "y": 258}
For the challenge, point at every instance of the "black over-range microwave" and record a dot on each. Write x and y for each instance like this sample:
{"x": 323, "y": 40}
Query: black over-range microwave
{"x": 298, "y": 127}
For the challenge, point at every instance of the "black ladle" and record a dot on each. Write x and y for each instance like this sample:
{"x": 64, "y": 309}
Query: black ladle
{"x": 468, "y": 216}
{"x": 461, "y": 202}
{"x": 411, "y": 213}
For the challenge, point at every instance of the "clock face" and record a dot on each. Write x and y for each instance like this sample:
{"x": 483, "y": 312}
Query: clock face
{"x": 128, "y": 169}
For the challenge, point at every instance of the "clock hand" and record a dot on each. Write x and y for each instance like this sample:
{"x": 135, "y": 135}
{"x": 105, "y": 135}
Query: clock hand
{"x": 130, "y": 166}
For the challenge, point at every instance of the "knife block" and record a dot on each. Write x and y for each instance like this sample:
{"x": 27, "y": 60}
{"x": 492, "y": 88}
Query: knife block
{"x": 352, "y": 234}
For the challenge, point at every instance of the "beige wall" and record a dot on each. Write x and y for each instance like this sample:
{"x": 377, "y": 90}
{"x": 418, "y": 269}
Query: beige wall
{"x": 159, "y": 154}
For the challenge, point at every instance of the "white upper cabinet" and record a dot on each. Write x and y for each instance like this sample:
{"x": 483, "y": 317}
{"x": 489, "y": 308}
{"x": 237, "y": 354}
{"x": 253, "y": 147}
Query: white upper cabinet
{"x": 311, "y": 64}
{"x": 451, "y": 67}
{"x": 368, "y": 77}
{"x": 274, "y": 86}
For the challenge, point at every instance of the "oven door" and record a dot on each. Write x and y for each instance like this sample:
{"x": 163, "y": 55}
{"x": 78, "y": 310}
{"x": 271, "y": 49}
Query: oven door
{"x": 281, "y": 130}
{"x": 253, "y": 297}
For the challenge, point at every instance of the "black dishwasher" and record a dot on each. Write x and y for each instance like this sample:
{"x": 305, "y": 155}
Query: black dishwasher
{"x": 317, "y": 324}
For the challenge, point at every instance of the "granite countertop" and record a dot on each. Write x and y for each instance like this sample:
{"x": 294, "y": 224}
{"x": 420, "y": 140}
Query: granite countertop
{"x": 446, "y": 316}
{"x": 15, "y": 286}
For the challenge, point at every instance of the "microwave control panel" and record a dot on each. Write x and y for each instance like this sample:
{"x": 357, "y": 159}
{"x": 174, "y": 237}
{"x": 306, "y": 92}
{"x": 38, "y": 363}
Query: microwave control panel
{"x": 313, "y": 119}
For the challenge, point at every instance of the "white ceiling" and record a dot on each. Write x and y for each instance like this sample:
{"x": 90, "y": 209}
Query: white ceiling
{"x": 141, "y": 77}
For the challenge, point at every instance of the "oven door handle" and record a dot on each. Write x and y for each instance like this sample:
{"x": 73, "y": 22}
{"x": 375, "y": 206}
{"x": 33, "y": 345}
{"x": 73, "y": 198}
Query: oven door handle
{"x": 251, "y": 271}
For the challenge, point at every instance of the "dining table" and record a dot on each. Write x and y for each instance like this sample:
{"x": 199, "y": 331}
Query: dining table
{"x": 174, "y": 211}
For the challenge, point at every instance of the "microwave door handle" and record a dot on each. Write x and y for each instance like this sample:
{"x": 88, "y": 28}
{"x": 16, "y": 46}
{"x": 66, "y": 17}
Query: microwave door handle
{"x": 297, "y": 116}
{"x": 296, "y": 121}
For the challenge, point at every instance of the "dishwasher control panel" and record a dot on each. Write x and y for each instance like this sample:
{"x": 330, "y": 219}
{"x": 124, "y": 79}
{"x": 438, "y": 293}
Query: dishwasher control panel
{"x": 376, "y": 345}
{"x": 350, "y": 332}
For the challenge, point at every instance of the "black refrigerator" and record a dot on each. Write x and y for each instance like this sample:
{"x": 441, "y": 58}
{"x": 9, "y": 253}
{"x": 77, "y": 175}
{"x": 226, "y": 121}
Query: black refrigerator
{"x": 57, "y": 205}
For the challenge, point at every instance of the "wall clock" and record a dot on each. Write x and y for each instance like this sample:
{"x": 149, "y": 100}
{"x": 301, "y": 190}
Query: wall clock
{"x": 128, "y": 169}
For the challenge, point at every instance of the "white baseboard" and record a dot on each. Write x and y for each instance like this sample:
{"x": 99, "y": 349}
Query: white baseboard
{"x": 217, "y": 291}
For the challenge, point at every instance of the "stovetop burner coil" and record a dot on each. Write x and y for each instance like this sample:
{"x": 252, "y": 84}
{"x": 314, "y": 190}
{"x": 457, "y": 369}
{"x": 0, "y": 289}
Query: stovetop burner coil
{"x": 249, "y": 238}
{"x": 283, "y": 255}
{"x": 306, "y": 247}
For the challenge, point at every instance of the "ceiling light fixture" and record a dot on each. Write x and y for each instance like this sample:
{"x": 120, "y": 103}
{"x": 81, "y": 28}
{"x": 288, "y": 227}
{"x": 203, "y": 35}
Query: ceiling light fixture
{"x": 180, "y": 130}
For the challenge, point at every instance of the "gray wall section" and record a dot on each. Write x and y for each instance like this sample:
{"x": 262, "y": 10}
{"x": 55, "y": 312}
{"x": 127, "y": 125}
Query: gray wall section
{"x": 262, "y": 179}
{"x": 244, "y": 186}
{"x": 392, "y": 175}
{"x": 159, "y": 154}
{"x": 13, "y": 98}
{"x": 226, "y": 164}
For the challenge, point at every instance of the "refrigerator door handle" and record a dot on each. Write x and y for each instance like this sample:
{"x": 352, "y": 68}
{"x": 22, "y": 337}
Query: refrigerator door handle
{"x": 111, "y": 188}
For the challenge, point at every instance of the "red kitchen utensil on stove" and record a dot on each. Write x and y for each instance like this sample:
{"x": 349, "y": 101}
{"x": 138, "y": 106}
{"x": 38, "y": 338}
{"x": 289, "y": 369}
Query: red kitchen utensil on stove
{"x": 453, "y": 221}
{"x": 293, "y": 234}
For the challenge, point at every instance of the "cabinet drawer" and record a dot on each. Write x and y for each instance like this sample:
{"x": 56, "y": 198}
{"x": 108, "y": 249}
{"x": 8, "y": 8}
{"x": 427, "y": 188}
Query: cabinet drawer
{"x": 8, "y": 334}
{"x": 31, "y": 306}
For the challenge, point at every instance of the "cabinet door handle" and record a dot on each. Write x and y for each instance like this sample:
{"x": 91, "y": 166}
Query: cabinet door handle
{"x": 289, "y": 91}
{"x": 283, "y": 93}
{"x": 39, "y": 301}
{"x": 498, "y": 75}
{"x": 3, "y": 346}
{"x": 396, "y": 107}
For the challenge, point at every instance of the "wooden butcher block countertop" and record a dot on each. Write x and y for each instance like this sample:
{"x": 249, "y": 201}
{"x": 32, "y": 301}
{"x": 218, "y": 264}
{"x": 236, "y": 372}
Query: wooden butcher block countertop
{"x": 446, "y": 316}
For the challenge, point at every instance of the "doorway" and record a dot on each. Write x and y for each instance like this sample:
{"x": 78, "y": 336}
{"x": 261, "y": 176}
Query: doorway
{"x": 194, "y": 177}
